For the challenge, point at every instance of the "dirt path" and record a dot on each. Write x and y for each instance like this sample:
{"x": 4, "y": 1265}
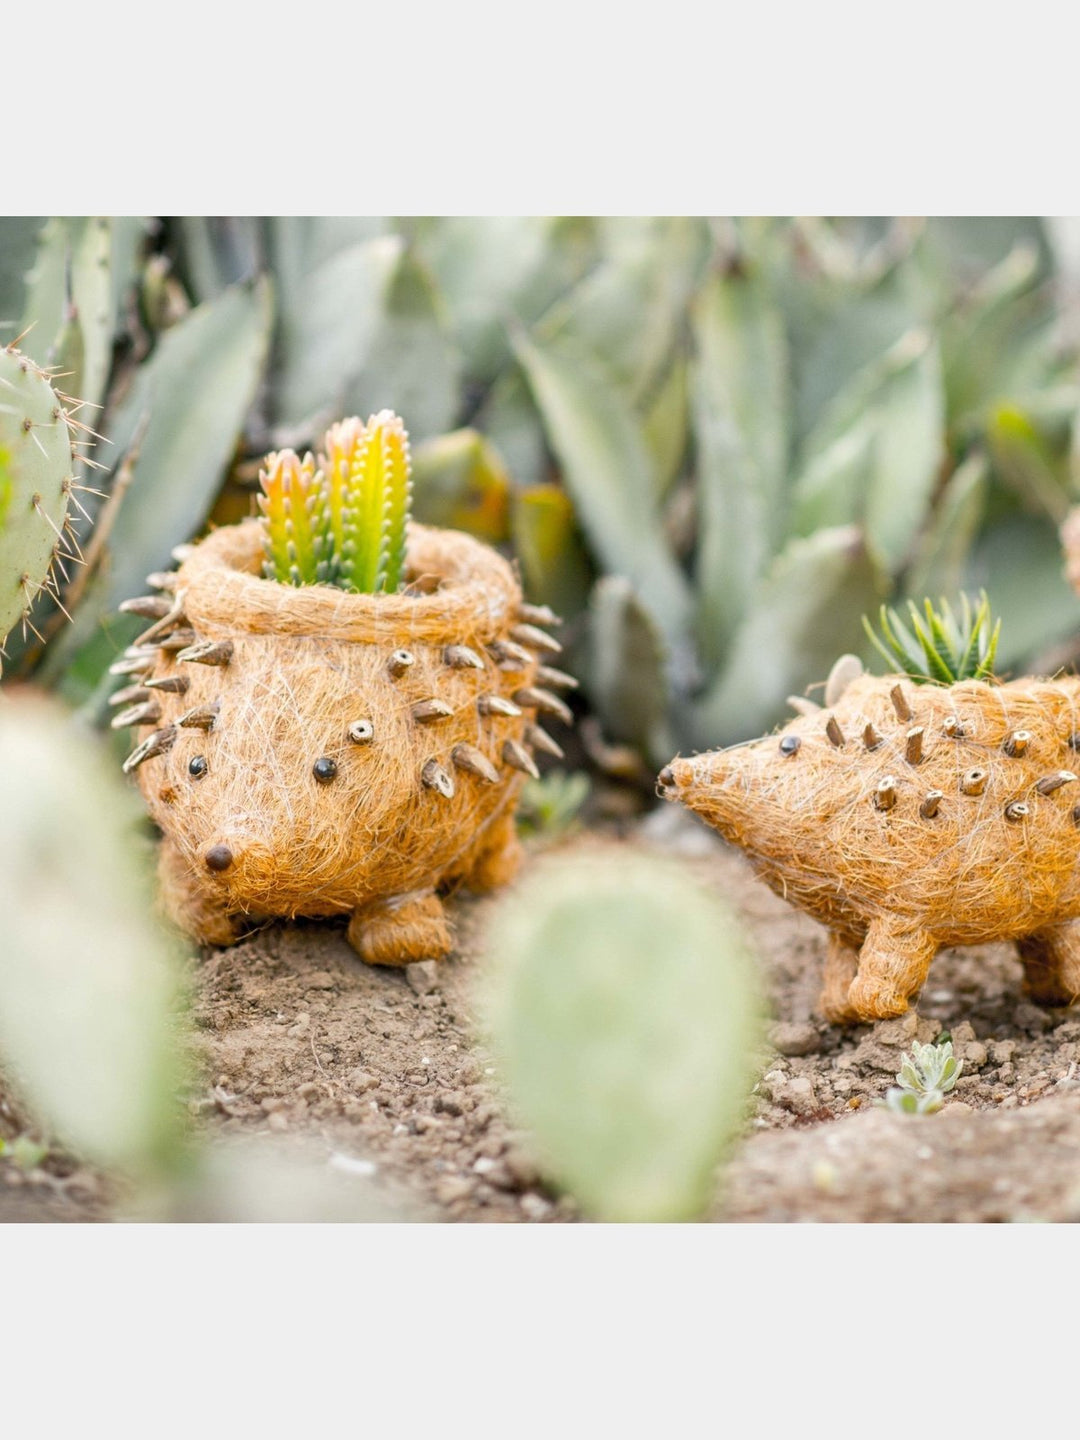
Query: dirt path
{"x": 378, "y": 1074}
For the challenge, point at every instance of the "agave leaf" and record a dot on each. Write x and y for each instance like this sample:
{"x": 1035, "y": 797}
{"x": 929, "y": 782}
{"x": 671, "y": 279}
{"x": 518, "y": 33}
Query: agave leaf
{"x": 461, "y": 483}
{"x": 666, "y": 424}
{"x": 954, "y": 523}
{"x": 513, "y": 424}
{"x": 739, "y": 401}
{"x": 548, "y": 545}
{"x": 328, "y": 331}
{"x": 625, "y": 676}
{"x": 629, "y": 309}
{"x": 129, "y": 235}
{"x": 490, "y": 267}
{"x": 830, "y": 490}
{"x": 803, "y": 614}
{"x": 219, "y": 251}
{"x": 1026, "y": 463}
{"x": 909, "y": 453}
{"x": 196, "y": 390}
{"x": 1018, "y": 559}
{"x": 898, "y": 397}
{"x": 18, "y": 243}
{"x": 606, "y": 468}
{"x": 92, "y": 291}
{"x": 409, "y": 364}
{"x": 47, "y": 287}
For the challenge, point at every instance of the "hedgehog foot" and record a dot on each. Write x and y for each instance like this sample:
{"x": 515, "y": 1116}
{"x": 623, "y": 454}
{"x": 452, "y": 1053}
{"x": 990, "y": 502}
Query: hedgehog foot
{"x": 499, "y": 857}
{"x": 187, "y": 903}
{"x": 892, "y": 966}
{"x": 841, "y": 967}
{"x": 400, "y": 930}
{"x": 1051, "y": 960}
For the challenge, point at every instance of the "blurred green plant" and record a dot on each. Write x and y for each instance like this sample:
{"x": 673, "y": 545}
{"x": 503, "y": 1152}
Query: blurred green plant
{"x": 929, "y": 1067}
{"x": 748, "y": 433}
{"x": 939, "y": 647}
{"x": 621, "y": 1003}
{"x": 89, "y": 984}
{"x": 550, "y": 807}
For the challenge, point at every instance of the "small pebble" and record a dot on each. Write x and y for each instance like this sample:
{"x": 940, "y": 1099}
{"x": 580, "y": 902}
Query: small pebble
{"x": 301, "y": 1027}
{"x": 352, "y": 1165}
{"x": 423, "y": 976}
{"x": 794, "y": 1037}
{"x": 452, "y": 1188}
{"x": 321, "y": 980}
{"x": 361, "y": 1080}
{"x": 535, "y": 1206}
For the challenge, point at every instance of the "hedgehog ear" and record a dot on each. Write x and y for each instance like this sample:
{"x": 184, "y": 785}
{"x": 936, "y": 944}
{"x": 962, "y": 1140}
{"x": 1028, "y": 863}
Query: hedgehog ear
{"x": 846, "y": 669}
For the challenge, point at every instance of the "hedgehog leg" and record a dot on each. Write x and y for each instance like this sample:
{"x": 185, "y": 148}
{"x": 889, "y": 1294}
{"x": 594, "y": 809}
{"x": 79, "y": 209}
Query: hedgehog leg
{"x": 1051, "y": 960}
{"x": 841, "y": 967}
{"x": 189, "y": 905}
{"x": 498, "y": 856}
{"x": 400, "y": 930}
{"x": 893, "y": 963}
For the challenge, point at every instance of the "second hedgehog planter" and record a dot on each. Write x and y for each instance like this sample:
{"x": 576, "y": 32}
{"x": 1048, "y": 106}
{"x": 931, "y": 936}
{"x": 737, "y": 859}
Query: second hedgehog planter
{"x": 312, "y": 752}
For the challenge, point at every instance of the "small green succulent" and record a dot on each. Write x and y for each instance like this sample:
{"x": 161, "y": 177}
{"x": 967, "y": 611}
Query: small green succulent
{"x": 907, "y": 1102}
{"x": 550, "y": 807}
{"x": 924, "y": 1079}
{"x": 929, "y": 1067}
{"x": 940, "y": 647}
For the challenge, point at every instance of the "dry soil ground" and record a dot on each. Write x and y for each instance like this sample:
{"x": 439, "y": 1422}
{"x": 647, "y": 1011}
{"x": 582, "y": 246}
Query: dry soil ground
{"x": 375, "y": 1080}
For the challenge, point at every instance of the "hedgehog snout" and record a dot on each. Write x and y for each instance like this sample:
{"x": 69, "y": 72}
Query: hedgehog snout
{"x": 218, "y": 858}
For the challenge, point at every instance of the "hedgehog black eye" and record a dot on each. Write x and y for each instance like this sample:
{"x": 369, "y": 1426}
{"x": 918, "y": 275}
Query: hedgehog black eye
{"x": 324, "y": 770}
{"x": 197, "y": 767}
{"x": 789, "y": 744}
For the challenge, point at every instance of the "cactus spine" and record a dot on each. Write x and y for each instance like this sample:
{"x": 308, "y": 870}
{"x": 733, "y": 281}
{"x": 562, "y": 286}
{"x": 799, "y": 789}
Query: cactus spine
{"x": 36, "y": 480}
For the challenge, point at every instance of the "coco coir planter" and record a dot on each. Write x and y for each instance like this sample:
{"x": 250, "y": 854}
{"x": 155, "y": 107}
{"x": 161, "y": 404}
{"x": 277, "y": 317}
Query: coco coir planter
{"x": 307, "y": 751}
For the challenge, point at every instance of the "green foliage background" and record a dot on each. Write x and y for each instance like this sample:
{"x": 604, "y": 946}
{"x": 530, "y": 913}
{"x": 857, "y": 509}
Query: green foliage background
{"x": 713, "y": 444}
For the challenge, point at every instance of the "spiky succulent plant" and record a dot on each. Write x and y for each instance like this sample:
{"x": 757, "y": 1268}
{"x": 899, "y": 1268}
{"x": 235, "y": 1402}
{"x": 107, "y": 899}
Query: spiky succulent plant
{"x": 36, "y": 482}
{"x": 939, "y": 647}
{"x": 343, "y": 523}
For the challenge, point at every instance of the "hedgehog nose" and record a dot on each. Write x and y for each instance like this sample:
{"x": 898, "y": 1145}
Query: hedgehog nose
{"x": 218, "y": 857}
{"x": 666, "y": 778}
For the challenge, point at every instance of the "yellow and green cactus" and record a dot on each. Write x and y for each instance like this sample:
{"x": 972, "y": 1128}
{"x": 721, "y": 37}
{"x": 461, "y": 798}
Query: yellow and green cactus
{"x": 343, "y": 523}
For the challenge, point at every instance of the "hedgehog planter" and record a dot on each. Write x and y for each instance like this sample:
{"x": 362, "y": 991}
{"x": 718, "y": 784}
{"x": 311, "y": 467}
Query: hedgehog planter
{"x": 907, "y": 818}
{"x": 308, "y": 751}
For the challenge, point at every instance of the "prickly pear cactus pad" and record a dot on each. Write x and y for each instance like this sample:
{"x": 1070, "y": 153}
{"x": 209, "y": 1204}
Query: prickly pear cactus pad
{"x": 36, "y": 464}
{"x": 906, "y": 818}
{"x": 308, "y": 751}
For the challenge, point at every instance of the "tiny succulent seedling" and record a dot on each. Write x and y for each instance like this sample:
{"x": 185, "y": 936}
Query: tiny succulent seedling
{"x": 929, "y": 1067}
{"x": 924, "y": 1079}
{"x": 909, "y": 1102}
{"x": 342, "y": 521}
{"x": 939, "y": 646}
{"x": 550, "y": 806}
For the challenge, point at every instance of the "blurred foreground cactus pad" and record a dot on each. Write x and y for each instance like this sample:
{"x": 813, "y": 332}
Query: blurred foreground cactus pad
{"x": 622, "y": 1003}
